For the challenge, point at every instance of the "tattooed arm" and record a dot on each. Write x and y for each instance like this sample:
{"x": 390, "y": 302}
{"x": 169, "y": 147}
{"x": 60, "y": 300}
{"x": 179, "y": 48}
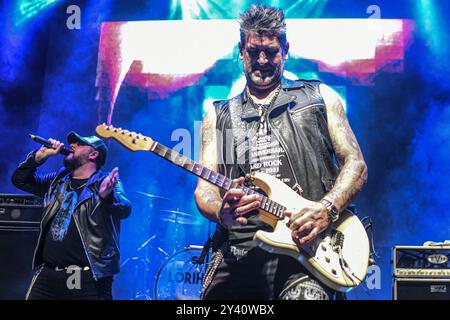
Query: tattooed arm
{"x": 353, "y": 172}
{"x": 231, "y": 210}
{"x": 311, "y": 220}
{"x": 207, "y": 196}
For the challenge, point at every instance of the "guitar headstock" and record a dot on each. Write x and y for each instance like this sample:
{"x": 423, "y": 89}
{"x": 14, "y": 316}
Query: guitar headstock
{"x": 130, "y": 140}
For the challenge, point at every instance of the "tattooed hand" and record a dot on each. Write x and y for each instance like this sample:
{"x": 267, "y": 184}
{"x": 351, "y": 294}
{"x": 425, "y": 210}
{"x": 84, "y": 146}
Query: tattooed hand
{"x": 235, "y": 205}
{"x": 308, "y": 223}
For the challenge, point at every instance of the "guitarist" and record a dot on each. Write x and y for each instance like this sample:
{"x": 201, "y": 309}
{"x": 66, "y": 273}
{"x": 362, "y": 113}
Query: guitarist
{"x": 293, "y": 130}
{"x": 77, "y": 253}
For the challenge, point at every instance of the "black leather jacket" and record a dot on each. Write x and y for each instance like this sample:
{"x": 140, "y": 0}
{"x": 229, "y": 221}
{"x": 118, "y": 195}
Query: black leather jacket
{"x": 97, "y": 220}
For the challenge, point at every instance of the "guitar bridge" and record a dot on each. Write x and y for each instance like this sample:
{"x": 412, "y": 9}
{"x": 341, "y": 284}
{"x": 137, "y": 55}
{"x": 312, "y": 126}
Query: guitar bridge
{"x": 337, "y": 240}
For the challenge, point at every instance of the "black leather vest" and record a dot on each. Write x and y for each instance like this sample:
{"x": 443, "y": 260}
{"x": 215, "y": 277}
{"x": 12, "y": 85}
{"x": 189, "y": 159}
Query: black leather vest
{"x": 298, "y": 119}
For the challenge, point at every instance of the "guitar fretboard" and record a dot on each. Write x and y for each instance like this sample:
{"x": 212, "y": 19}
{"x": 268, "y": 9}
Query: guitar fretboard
{"x": 217, "y": 179}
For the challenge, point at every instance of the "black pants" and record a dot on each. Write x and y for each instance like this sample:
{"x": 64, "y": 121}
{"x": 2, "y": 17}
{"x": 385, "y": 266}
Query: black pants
{"x": 49, "y": 284}
{"x": 263, "y": 276}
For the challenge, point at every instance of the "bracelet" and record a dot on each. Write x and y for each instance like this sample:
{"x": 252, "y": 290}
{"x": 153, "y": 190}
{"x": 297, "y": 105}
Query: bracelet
{"x": 333, "y": 213}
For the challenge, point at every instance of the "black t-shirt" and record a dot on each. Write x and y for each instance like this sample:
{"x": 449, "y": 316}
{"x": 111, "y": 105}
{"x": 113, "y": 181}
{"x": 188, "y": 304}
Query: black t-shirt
{"x": 62, "y": 246}
{"x": 266, "y": 155}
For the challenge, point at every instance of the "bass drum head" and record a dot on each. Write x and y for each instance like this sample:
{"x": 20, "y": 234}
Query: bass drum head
{"x": 180, "y": 277}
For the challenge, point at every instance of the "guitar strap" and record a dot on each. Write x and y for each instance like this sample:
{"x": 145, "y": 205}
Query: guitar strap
{"x": 242, "y": 132}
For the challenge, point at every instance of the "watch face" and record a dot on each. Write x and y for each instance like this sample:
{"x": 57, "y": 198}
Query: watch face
{"x": 334, "y": 214}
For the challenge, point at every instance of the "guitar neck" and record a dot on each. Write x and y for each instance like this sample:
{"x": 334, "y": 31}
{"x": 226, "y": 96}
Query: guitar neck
{"x": 215, "y": 178}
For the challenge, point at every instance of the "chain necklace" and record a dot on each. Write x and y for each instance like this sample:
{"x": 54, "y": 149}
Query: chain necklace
{"x": 73, "y": 189}
{"x": 262, "y": 108}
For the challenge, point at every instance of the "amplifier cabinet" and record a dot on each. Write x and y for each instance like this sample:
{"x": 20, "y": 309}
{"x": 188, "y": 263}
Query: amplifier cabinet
{"x": 19, "y": 229}
{"x": 421, "y": 289}
{"x": 421, "y": 262}
{"x": 20, "y": 212}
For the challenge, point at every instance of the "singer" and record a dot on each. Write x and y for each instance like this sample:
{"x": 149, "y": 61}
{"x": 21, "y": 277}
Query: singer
{"x": 77, "y": 252}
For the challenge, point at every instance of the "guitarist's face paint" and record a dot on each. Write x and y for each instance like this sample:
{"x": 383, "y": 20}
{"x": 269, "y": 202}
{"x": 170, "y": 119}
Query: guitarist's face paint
{"x": 263, "y": 60}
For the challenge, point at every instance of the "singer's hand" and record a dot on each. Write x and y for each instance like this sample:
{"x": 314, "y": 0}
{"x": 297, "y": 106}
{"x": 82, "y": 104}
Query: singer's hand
{"x": 43, "y": 153}
{"x": 109, "y": 183}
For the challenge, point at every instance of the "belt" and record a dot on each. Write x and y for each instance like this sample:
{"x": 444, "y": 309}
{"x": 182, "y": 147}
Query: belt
{"x": 70, "y": 268}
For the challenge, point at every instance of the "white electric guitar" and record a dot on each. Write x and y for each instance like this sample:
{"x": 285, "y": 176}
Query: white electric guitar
{"x": 338, "y": 257}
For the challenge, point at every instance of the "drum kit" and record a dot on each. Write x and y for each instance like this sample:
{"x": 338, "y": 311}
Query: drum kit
{"x": 180, "y": 268}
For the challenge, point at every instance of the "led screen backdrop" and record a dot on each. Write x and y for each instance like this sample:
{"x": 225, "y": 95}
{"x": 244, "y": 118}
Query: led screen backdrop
{"x": 165, "y": 56}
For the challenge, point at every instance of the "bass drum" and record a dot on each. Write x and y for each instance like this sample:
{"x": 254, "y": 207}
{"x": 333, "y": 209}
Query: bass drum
{"x": 180, "y": 277}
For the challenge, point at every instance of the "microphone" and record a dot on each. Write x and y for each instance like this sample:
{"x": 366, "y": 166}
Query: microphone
{"x": 48, "y": 144}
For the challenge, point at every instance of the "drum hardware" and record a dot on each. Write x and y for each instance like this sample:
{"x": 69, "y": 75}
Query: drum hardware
{"x": 144, "y": 255}
{"x": 160, "y": 216}
{"x": 180, "y": 277}
{"x": 151, "y": 256}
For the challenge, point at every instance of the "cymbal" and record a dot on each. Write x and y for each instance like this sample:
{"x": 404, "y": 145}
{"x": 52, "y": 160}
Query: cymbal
{"x": 175, "y": 216}
{"x": 151, "y": 196}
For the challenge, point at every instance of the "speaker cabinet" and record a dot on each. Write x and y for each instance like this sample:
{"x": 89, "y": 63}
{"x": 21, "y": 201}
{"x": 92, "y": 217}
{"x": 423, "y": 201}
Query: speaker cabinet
{"x": 19, "y": 230}
{"x": 421, "y": 289}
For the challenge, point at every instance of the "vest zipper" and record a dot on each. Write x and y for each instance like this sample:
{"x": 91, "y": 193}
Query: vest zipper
{"x": 305, "y": 108}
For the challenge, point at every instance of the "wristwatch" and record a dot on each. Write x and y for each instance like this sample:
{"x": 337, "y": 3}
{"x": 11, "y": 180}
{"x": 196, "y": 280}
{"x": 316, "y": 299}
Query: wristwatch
{"x": 333, "y": 213}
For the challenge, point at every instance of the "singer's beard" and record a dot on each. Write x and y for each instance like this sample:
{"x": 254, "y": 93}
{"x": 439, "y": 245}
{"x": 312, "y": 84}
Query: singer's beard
{"x": 73, "y": 162}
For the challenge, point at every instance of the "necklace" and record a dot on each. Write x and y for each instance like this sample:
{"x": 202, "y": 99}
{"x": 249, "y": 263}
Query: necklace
{"x": 73, "y": 189}
{"x": 269, "y": 100}
{"x": 262, "y": 108}
{"x": 263, "y": 113}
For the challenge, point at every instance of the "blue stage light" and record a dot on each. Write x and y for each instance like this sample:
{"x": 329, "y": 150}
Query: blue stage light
{"x": 430, "y": 24}
{"x": 26, "y": 9}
